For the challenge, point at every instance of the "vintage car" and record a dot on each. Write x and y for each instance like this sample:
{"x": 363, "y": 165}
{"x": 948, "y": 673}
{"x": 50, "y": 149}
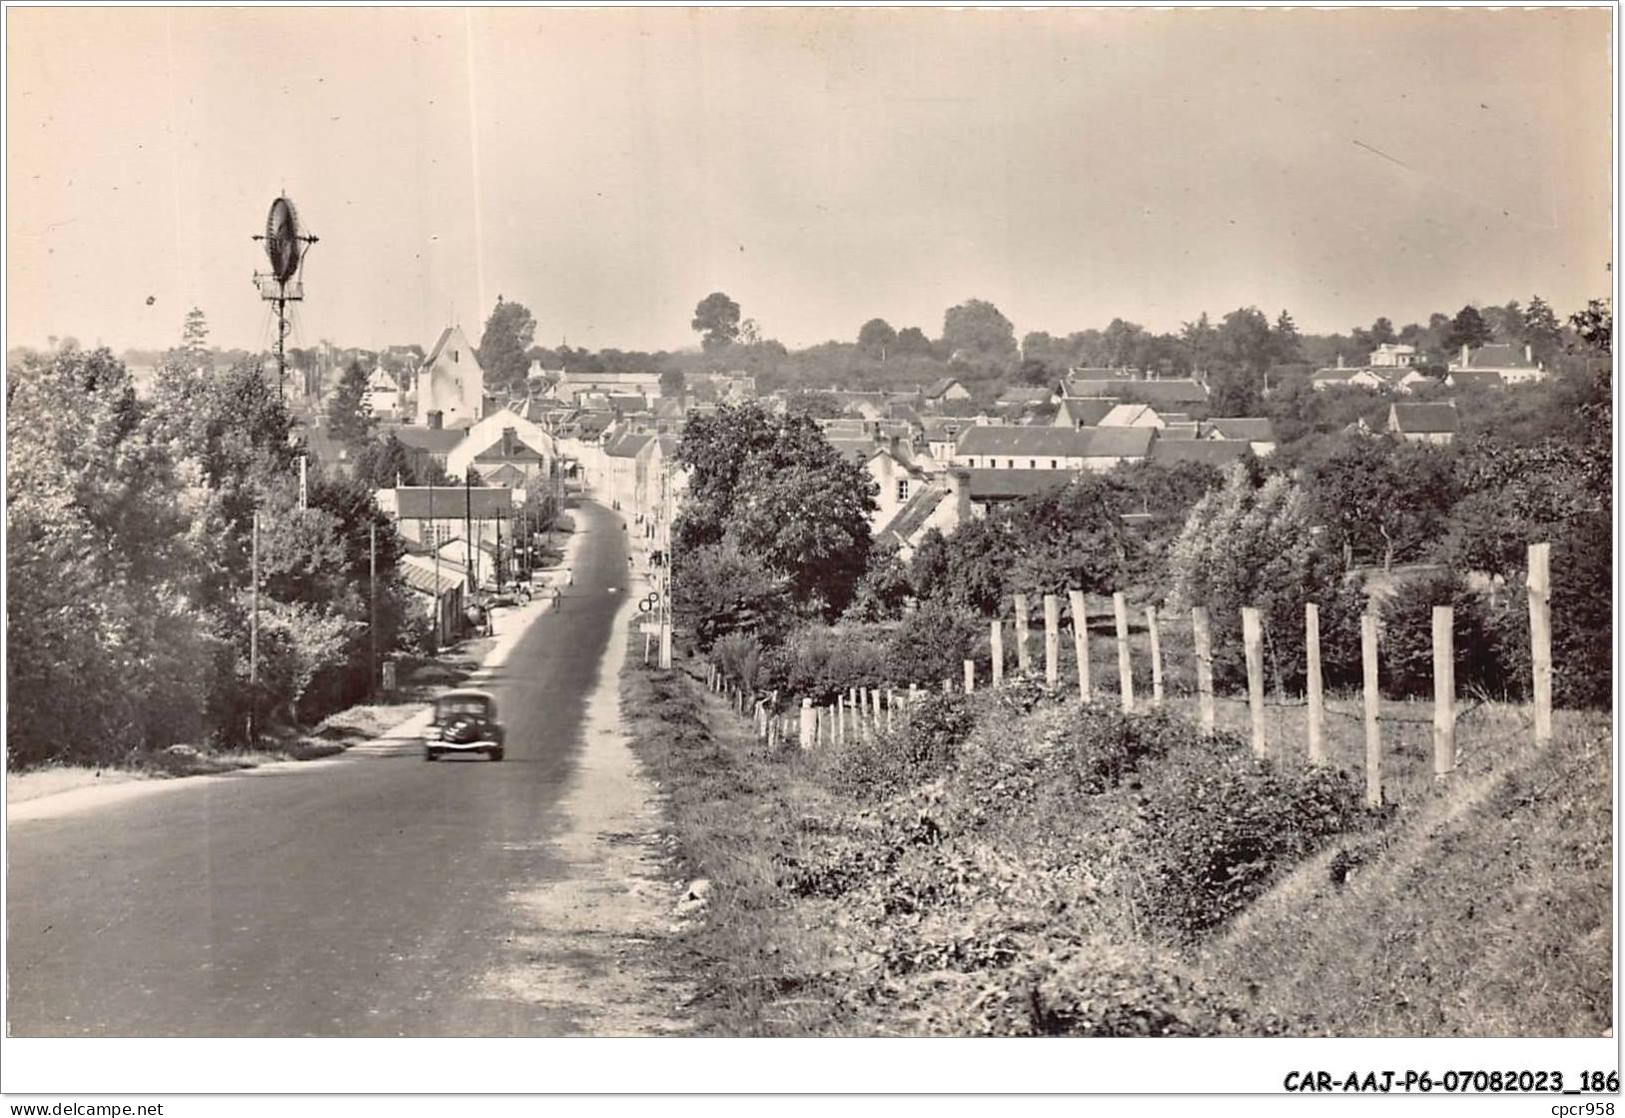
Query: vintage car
{"x": 465, "y": 721}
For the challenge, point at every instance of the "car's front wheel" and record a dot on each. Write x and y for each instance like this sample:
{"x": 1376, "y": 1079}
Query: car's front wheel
{"x": 430, "y": 755}
{"x": 496, "y": 754}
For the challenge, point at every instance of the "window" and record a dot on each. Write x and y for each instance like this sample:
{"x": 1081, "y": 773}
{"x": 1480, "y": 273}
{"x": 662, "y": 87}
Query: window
{"x": 1009, "y": 463}
{"x": 902, "y": 490}
{"x": 1032, "y": 463}
{"x": 1054, "y": 464}
{"x": 454, "y": 355}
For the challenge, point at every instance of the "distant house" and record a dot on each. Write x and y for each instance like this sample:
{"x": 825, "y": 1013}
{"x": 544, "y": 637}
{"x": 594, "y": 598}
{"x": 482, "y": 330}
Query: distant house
{"x": 1108, "y": 447}
{"x": 1323, "y": 379}
{"x": 948, "y": 388}
{"x": 432, "y": 443}
{"x": 384, "y": 395}
{"x": 1423, "y": 423}
{"x": 1026, "y": 397}
{"x": 1083, "y": 411}
{"x": 942, "y": 435}
{"x": 450, "y": 382}
{"x": 431, "y": 518}
{"x": 941, "y": 504}
{"x": 1020, "y": 448}
{"x": 1259, "y": 434}
{"x": 577, "y": 384}
{"x": 1474, "y": 379}
{"x": 1515, "y": 364}
{"x": 986, "y": 489}
{"x": 620, "y": 464}
{"x": 437, "y": 589}
{"x": 1170, "y": 394}
{"x": 1209, "y": 452}
{"x": 1391, "y": 356}
{"x": 1131, "y": 415}
{"x": 504, "y": 439}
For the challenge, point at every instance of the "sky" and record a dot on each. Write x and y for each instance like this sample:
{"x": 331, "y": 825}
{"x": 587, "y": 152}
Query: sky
{"x": 609, "y": 168}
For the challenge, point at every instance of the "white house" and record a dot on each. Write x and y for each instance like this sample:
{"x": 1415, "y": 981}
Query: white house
{"x": 1514, "y": 367}
{"x": 384, "y": 393}
{"x": 450, "y": 383}
{"x": 1388, "y": 355}
{"x": 993, "y": 447}
{"x": 502, "y": 440}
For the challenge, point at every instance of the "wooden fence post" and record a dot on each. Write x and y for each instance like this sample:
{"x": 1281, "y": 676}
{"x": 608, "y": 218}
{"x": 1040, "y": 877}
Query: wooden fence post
{"x": 837, "y": 721}
{"x": 1252, "y": 635}
{"x": 1540, "y": 637}
{"x": 874, "y": 708}
{"x": 1080, "y": 642}
{"x": 1444, "y": 691}
{"x": 1316, "y": 696}
{"x": 891, "y": 705}
{"x": 1024, "y": 660}
{"x": 1052, "y": 641}
{"x": 913, "y": 693}
{"x": 1125, "y": 666}
{"x": 1204, "y": 666}
{"x": 1156, "y": 653}
{"x": 1373, "y": 706}
{"x": 995, "y": 633}
{"x": 809, "y": 724}
{"x": 970, "y": 676}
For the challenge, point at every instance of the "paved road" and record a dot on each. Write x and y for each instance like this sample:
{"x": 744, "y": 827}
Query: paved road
{"x": 361, "y": 897}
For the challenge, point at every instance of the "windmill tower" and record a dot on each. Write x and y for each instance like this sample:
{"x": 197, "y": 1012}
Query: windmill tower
{"x": 285, "y": 246}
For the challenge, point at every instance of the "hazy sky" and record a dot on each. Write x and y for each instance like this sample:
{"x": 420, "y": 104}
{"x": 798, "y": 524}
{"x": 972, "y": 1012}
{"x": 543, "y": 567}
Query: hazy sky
{"x": 610, "y": 168}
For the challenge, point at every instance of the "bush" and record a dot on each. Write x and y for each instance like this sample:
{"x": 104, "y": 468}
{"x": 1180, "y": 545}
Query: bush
{"x": 921, "y": 748}
{"x": 820, "y": 662}
{"x": 933, "y": 643}
{"x": 1407, "y": 640}
{"x": 1216, "y": 826}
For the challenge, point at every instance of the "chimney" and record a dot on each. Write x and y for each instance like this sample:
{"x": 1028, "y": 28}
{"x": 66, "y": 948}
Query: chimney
{"x": 1339, "y": 360}
{"x": 959, "y": 493}
{"x": 1464, "y": 355}
{"x": 435, "y": 418}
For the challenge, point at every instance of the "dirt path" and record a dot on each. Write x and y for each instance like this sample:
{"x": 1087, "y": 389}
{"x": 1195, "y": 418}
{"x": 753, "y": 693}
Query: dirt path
{"x": 588, "y": 945}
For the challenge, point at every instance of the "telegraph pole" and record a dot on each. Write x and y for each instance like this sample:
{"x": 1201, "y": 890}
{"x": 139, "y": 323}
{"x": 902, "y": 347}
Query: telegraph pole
{"x": 665, "y": 569}
{"x": 434, "y": 546}
{"x": 499, "y": 551}
{"x": 254, "y": 631}
{"x": 468, "y": 529}
{"x": 372, "y": 601}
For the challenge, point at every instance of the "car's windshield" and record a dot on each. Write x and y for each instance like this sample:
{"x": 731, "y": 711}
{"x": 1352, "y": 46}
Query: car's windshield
{"x": 451, "y": 707}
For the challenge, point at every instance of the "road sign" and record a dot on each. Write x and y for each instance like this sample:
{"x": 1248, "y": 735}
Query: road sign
{"x": 645, "y": 606}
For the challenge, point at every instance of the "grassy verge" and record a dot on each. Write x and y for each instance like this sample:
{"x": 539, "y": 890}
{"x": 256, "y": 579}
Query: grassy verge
{"x": 1018, "y": 864}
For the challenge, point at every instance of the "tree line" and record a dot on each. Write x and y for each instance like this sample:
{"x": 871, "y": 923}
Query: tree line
{"x": 131, "y": 525}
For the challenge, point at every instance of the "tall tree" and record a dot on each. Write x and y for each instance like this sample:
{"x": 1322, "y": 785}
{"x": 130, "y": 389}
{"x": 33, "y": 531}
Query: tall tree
{"x": 1288, "y": 344}
{"x": 976, "y": 329}
{"x": 1541, "y": 329}
{"x": 195, "y": 333}
{"x": 1468, "y": 329}
{"x": 876, "y": 338}
{"x": 673, "y": 382}
{"x": 716, "y": 319}
{"x": 508, "y": 334}
{"x": 1381, "y": 332}
{"x": 911, "y": 339}
{"x": 1595, "y": 325}
{"x": 349, "y": 414}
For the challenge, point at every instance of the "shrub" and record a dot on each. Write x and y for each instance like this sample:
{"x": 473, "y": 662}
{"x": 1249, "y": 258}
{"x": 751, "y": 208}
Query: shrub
{"x": 1407, "y": 639}
{"x": 820, "y": 662}
{"x": 919, "y": 749}
{"x": 1216, "y": 826}
{"x": 933, "y": 643}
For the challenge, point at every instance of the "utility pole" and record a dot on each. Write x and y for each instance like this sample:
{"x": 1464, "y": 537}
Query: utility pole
{"x": 468, "y": 528}
{"x": 499, "y": 551}
{"x": 372, "y": 601}
{"x": 665, "y": 569}
{"x": 304, "y": 487}
{"x": 254, "y": 631}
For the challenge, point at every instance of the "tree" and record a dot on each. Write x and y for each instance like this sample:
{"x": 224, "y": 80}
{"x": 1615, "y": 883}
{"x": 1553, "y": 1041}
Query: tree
{"x": 1379, "y": 498}
{"x": 876, "y": 337}
{"x": 508, "y": 334}
{"x": 911, "y": 339}
{"x": 349, "y": 415}
{"x": 1468, "y": 329}
{"x": 716, "y": 318}
{"x": 777, "y": 489}
{"x": 1541, "y": 329}
{"x": 1121, "y": 340}
{"x": 1288, "y": 344}
{"x": 1246, "y": 546}
{"x": 750, "y": 332}
{"x": 673, "y": 382}
{"x": 1381, "y": 332}
{"x": 976, "y": 329}
{"x": 195, "y": 333}
{"x": 387, "y": 462}
{"x": 1595, "y": 325}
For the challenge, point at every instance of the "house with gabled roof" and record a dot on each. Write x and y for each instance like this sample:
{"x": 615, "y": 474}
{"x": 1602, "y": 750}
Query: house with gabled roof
{"x": 948, "y": 388}
{"x": 942, "y": 503}
{"x": 986, "y": 489}
{"x": 994, "y": 447}
{"x": 1515, "y": 364}
{"x": 1131, "y": 415}
{"x": 1474, "y": 380}
{"x": 1106, "y": 448}
{"x": 504, "y": 438}
{"x": 1083, "y": 411}
{"x": 1257, "y": 433}
{"x": 1210, "y": 452}
{"x": 450, "y": 382}
{"x": 1423, "y": 423}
